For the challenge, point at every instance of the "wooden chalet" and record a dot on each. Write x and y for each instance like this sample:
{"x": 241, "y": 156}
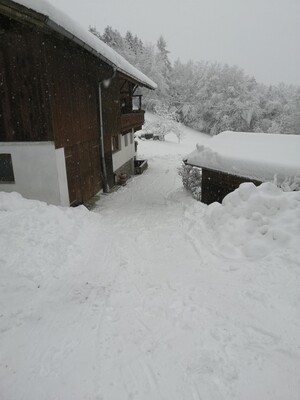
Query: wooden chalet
{"x": 66, "y": 106}
{"x": 232, "y": 158}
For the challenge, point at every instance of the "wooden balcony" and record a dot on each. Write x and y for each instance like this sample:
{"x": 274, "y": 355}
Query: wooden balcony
{"x": 135, "y": 119}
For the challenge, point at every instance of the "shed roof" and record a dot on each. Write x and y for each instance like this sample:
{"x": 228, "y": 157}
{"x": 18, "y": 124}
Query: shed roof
{"x": 59, "y": 21}
{"x": 258, "y": 156}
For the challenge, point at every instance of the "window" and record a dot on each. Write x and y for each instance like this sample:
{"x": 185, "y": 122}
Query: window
{"x": 131, "y": 137}
{"x": 6, "y": 169}
{"x": 115, "y": 144}
{"x": 137, "y": 100}
{"x": 126, "y": 140}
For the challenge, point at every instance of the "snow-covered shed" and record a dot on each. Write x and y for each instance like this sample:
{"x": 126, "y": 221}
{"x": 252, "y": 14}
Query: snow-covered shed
{"x": 63, "y": 132}
{"x": 232, "y": 158}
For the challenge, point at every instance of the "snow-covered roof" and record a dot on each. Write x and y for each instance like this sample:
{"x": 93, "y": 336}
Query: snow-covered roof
{"x": 58, "y": 19}
{"x": 257, "y": 156}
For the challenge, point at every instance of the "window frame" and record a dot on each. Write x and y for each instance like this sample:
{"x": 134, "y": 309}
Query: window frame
{"x": 7, "y": 170}
{"x": 115, "y": 143}
{"x": 131, "y": 137}
{"x": 126, "y": 140}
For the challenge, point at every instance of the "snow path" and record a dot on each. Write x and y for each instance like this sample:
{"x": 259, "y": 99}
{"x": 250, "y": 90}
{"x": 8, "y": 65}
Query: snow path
{"x": 183, "y": 324}
{"x": 136, "y": 301}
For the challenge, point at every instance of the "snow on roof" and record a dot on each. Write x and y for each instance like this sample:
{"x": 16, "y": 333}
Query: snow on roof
{"x": 258, "y": 156}
{"x": 86, "y": 39}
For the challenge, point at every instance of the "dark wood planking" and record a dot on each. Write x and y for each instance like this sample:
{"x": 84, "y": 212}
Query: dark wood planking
{"x": 132, "y": 120}
{"x": 216, "y": 185}
{"x": 24, "y": 91}
{"x": 49, "y": 92}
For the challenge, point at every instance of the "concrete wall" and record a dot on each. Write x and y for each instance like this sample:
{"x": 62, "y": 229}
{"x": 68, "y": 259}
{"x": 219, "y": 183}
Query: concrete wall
{"x": 125, "y": 153}
{"x": 39, "y": 171}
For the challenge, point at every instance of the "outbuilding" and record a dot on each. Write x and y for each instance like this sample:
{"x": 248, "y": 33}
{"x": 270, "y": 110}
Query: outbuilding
{"x": 231, "y": 158}
{"x": 64, "y": 133}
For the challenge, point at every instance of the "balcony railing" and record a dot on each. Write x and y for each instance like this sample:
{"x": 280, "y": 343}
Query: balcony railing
{"x": 132, "y": 120}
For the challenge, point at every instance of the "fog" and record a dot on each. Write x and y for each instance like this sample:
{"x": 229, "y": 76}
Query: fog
{"x": 261, "y": 36}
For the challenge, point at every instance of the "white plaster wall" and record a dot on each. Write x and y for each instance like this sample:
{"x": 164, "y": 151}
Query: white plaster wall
{"x": 39, "y": 170}
{"x": 125, "y": 154}
{"x": 62, "y": 177}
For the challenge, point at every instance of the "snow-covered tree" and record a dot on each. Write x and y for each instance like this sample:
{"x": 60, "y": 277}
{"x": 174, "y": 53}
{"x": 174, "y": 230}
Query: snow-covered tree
{"x": 111, "y": 37}
{"x": 209, "y": 97}
{"x": 165, "y": 123}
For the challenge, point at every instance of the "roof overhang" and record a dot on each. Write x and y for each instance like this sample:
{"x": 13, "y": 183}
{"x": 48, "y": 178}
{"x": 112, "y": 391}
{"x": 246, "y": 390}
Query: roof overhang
{"x": 23, "y": 10}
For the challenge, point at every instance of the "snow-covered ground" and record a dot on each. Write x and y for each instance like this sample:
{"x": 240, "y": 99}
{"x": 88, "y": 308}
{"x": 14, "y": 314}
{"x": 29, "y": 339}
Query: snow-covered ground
{"x": 152, "y": 295}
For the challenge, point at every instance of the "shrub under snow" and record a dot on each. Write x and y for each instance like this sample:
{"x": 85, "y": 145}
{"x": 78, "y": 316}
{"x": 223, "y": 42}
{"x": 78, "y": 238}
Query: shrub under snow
{"x": 166, "y": 122}
{"x": 191, "y": 179}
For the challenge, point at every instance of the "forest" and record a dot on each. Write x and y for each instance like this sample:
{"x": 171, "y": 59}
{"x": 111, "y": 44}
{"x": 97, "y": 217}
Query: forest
{"x": 208, "y": 96}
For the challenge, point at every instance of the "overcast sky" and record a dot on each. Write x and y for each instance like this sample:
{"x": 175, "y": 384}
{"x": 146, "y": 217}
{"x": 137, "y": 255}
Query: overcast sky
{"x": 261, "y": 36}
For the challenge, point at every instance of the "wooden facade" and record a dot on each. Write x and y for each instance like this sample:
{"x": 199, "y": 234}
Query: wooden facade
{"x": 216, "y": 185}
{"x": 24, "y": 94}
{"x": 132, "y": 120}
{"x": 50, "y": 92}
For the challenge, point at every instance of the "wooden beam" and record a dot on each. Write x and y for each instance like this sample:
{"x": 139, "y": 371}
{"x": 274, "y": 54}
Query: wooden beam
{"x": 123, "y": 85}
{"x": 129, "y": 79}
{"x": 23, "y": 14}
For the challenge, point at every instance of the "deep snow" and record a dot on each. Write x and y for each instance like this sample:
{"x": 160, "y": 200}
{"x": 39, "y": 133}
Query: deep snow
{"x": 152, "y": 295}
{"x": 261, "y": 156}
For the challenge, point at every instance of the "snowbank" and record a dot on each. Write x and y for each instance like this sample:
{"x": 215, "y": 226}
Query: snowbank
{"x": 46, "y": 240}
{"x": 14, "y": 201}
{"x": 259, "y": 156}
{"x": 83, "y": 35}
{"x": 255, "y": 221}
{"x": 159, "y": 296}
{"x": 153, "y": 295}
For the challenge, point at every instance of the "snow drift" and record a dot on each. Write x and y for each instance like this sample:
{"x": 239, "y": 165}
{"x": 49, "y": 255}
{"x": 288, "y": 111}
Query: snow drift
{"x": 251, "y": 222}
{"x": 260, "y": 156}
{"x": 151, "y": 296}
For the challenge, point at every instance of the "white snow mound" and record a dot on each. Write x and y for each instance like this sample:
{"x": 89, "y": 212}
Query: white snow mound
{"x": 46, "y": 239}
{"x": 14, "y": 201}
{"x": 260, "y": 156}
{"x": 254, "y": 221}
